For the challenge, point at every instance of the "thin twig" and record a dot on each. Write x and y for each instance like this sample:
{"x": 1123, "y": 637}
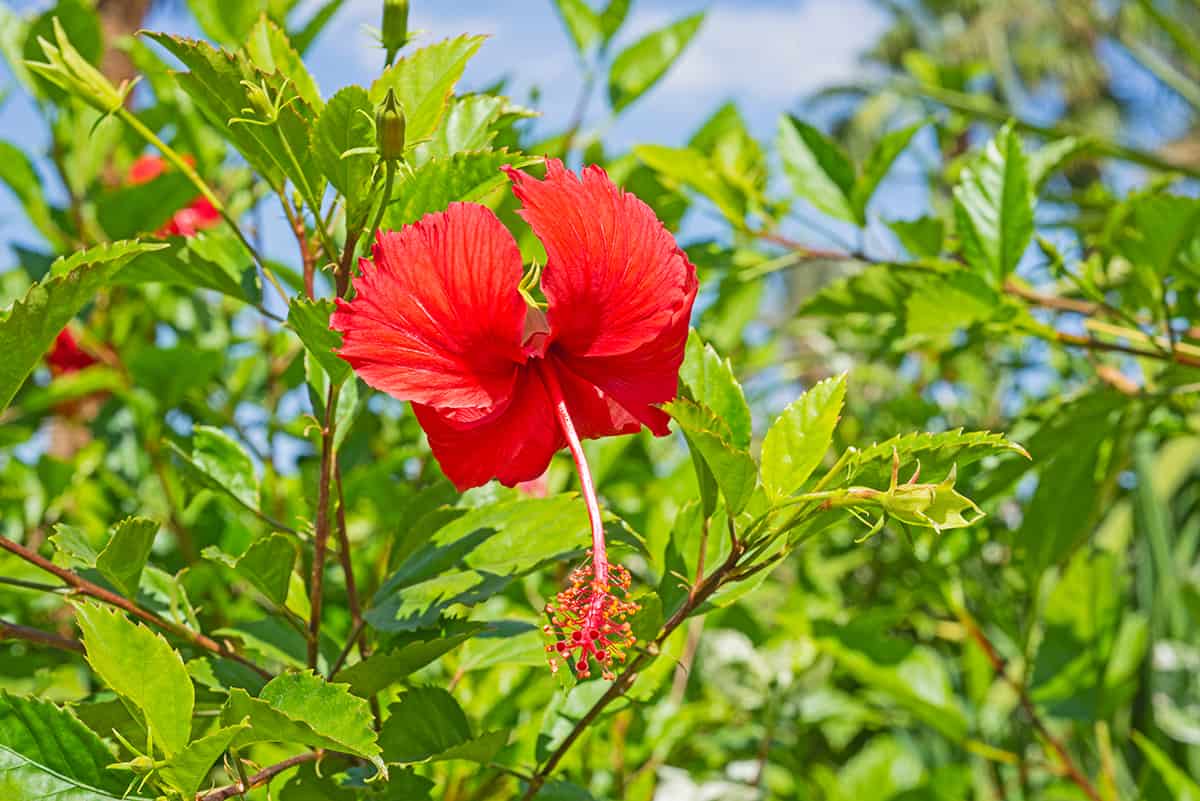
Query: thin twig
{"x": 14, "y": 631}
{"x": 321, "y": 537}
{"x": 262, "y": 777}
{"x": 85, "y": 587}
{"x": 1000, "y": 667}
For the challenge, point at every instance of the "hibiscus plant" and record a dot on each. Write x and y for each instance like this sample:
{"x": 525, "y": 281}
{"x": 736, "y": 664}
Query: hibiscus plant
{"x": 369, "y": 444}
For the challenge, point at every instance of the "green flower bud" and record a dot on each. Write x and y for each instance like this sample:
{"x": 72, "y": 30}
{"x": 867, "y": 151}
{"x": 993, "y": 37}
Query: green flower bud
{"x": 389, "y": 128}
{"x": 395, "y": 27}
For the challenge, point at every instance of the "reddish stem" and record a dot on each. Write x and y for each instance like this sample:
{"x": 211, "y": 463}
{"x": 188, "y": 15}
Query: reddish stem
{"x": 599, "y": 553}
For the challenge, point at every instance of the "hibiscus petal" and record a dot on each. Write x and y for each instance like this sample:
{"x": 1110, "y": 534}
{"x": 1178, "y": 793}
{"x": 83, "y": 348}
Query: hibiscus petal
{"x": 647, "y": 376}
{"x": 593, "y": 412}
{"x": 437, "y": 318}
{"x": 513, "y": 443}
{"x": 614, "y": 277}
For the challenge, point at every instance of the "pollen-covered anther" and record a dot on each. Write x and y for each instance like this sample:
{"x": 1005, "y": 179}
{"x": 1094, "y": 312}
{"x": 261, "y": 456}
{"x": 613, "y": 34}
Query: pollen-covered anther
{"x": 589, "y": 618}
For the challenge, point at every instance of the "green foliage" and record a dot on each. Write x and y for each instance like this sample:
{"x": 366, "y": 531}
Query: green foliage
{"x": 204, "y": 574}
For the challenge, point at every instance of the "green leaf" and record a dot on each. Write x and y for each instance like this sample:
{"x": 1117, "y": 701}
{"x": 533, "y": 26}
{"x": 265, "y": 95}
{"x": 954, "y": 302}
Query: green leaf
{"x": 267, "y": 564}
{"x": 922, "y": 237}
{"x": 227, "y": 22}
{"x": 467, "y": 126}
{"x": 130, "y": 210}
{"x": 612, "y": 17}
{"x": 187, "y": 770}
{"x": 581, "y": 22}
{"x": 423, "y": 81}
{"x": 641, "y": 65}
{"x": 993, "y": 207}
{"x": 310, "y": 320}
{"x": 712, "y": 383}
{"x": 1081, "y": 618}
{"x": 726, "y": 141}
{"x": 220, "y": 82}
{"x": 346, "y": 124}
{"x": 914, "y": 677}
{"x": 25, "y": 780}
{"x": 797, "y": 441}
{"x": 938, "y": 453}
{"x": 17, "y": 172}
{"x": 732, "y": 467}
{"x": 468, "y": 177}
{"x": 1177, "y": 781}
{"x": 686, "y": 167}
{"x": 1047, "y": 159}
{"x": 819, "y": 171}
{"x": 225, "y": 463}
{"x": 427, "y": 724}
{"x": 1160, "y": 232}
{"x": 125, "y": 555}
{"x": 877, "y": 166}
{"x": 52, "y": 740}
{"x": 271, "y": 51}
{"x": 213, "y": 260}
{"x": 30, "y": 325}
{"x": 940, "y": 306}
{"x": 304, "y": 708}
{"x": 382, "y": 669}
{"x": 143, "y": 669}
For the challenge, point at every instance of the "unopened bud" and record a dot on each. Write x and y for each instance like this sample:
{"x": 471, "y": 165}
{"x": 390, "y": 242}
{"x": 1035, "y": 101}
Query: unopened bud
{"x": 395, "y": 27}
{"x": 389, "y": 128}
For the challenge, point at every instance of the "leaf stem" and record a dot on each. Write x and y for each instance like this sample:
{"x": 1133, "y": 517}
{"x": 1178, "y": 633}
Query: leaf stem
{"x": 260, "y": 778}
{"x": 13, "y": 631}
{"x": 85, "y": 587}
{"x": 389, "y": 179}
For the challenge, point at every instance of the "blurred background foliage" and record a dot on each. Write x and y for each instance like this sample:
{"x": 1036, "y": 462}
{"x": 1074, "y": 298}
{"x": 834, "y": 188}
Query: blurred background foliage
{"x": 995, "y": 228}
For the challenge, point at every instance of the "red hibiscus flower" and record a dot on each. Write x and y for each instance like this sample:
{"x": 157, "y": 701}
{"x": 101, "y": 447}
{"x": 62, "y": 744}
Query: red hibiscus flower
{"x": 498, "y": 384}
{"x": 66, "y": 356}
{"x": 196, "y": 216}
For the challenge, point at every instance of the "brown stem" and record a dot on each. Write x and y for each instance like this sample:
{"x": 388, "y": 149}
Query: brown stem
{"x": 1073, "y": 772}
{"x": 307, "y": 258}
{"x": 262, "y": 777}
{"x": 344, "y": 556}
{"x": 13, "y": 631}
{"x": 321, "y": 538}
{"x": 85, "y": 587}
{"x": 625, "y": 680}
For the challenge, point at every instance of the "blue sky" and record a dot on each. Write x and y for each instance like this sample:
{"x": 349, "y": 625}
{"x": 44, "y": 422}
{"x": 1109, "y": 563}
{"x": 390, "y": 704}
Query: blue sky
{"x": 766, "y": 54}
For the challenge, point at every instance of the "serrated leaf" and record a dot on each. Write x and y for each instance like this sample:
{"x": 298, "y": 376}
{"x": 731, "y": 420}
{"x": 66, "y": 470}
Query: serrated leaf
{"x": 877, "y": 166}
{"x": 938, "y": 453}
{"x": 993, "y": 207}
{"x": 213, "y": 260}
{"x": 423, "y": 81}
{"x": 143, "y": 669}
{"x": 711, "y": 381}
{"x": 938, "y": 307}
{"x": 226, "y": 464}
{"x": 188, "y": 769}
{"x": 125, "y": 555}
{"x": 682, "y": 166}
{"x": 734, "y": 470}
{"x": 304, "y": 708}
{"x": 227, "y": 22}
{"x": 641, "y": 65}
{"x": 581, "y": 23}
{"x": 54, "y": 741}
{"x": 345, "y": 124}
{"x": 428, "y": 724}
{"x": 467, "y": 126}
{"x": 310, "y": 320}
{"x": 798, "y": 440}
{"x": 30, "y": 325}
{"x": 819, "y": 171}
{"x": 878, "y": 289}
{"x": 464, "y": 177}
{"x": 271, "y": 51}
{"x": 215, "y": 82}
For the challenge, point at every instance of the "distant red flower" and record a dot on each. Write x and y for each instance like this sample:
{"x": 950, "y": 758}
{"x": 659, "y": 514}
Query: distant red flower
{"x": 196, "y": 216}
{"x": 499, "y": 385}
{"x": 66, "y": 356}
